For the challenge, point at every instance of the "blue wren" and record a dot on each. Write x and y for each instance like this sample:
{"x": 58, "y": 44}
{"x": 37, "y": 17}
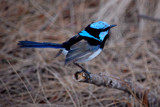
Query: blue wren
{"x": 82, "y": 47}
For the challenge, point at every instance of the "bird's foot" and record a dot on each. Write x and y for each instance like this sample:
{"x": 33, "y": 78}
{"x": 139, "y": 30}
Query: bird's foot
{"x": 87, "y": 74}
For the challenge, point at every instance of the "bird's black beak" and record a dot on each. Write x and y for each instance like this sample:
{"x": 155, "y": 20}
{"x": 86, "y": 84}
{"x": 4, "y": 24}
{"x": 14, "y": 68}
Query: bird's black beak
{"x": 112, "y": 26}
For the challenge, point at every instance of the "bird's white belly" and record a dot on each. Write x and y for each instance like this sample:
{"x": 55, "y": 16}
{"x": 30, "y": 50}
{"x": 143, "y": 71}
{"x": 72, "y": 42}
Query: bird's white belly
{"x": 96, "y": 53}
{"x": 92, "y": 56}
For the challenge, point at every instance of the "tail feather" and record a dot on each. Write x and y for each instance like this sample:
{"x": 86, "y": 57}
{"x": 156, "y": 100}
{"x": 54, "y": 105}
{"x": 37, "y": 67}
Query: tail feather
{"x": 31, "y": 44}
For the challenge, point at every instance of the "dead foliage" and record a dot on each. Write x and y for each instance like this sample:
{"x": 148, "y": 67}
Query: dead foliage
{"x": 33, "y": 77}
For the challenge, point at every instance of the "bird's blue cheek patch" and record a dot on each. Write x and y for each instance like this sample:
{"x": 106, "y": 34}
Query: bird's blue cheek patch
{"x": 86, "y": 34}
{"x": 102, "y": 35}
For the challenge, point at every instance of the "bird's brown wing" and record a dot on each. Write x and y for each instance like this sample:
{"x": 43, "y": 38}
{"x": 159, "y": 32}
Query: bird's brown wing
{"x": 80, "y": 51}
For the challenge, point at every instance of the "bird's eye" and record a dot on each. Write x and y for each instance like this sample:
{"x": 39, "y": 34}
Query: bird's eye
{"x": 105, "y": 29}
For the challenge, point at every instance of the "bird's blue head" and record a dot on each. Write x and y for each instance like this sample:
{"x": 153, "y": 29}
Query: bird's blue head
{"x": 97, "y": 30}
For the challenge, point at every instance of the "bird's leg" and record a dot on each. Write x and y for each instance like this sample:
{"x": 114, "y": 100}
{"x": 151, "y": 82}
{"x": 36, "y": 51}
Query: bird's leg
{"x": 83, "y": 70}
{"x": 80, "y": 66}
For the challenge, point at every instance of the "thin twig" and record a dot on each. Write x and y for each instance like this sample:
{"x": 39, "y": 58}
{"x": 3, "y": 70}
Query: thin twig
{"x": 23, "y": 83}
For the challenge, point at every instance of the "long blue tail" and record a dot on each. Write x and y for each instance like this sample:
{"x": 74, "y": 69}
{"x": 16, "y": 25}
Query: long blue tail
{"x": 31, "y": 44}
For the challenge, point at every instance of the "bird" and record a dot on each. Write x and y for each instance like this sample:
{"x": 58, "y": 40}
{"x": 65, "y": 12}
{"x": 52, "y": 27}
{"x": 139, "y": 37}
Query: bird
{"x": 82, "y": 47}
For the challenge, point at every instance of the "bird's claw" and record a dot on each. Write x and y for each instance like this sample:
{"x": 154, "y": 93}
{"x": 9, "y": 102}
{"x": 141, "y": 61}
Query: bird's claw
{"x": 87, "y": 74}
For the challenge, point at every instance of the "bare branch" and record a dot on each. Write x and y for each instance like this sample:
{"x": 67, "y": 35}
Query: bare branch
{"x": 135, "y": 89}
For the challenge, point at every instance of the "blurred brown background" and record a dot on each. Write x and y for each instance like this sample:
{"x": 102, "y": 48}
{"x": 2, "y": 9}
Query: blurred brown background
{"x": 33, "y": 77}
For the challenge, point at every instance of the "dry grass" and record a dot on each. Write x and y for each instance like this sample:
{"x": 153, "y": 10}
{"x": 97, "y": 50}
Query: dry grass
{"x": 33, "y": 77}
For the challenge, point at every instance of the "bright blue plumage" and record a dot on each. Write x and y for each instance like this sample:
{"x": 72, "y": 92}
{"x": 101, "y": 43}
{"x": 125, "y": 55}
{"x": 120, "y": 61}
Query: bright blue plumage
{"x": 82, "y": 47}
{"x": 86, "y": 34}
{"x": 31, "y": 44}
{"x": 97, "y": 30}
{"x": 99, "y": 25}
{"x": 102, "y": 35}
